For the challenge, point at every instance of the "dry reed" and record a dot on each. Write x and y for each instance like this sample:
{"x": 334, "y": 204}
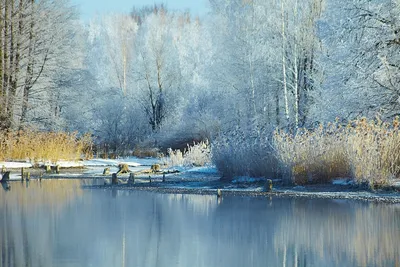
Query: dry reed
{"x": 367, "y": 151}
{"x": 37, "y": 146}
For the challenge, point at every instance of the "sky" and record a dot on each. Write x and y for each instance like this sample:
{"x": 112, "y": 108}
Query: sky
{"x": 89, "y": 8}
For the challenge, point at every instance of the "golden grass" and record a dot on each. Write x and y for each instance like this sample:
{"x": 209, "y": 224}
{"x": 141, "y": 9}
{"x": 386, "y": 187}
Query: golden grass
{"x": 44, "y": 146}
{"x": 367, "y": 151}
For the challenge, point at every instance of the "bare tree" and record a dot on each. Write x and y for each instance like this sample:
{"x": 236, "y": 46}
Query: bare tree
{"x": 155, "y": 70}
{"x": 32, "y": 35}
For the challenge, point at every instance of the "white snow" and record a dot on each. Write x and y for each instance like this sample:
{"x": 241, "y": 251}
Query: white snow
{"x": 100, "y": 162}
{"x": 61, "y": 163}
{"x": 15, "y": 165}
{"x": 246, "y": 179}
{"x": 342, "y": 182}
{"x": 70, "y": 164}
{"x": 131, "y": 161}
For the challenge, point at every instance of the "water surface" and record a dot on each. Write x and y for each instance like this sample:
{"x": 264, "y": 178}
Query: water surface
{"x": 57, "y": 223}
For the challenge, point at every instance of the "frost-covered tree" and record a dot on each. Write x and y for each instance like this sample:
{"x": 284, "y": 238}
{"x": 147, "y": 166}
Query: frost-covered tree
{"x": 267, "y": 56}
{"x": 157, "y": 67}
{"x": 362, "y": 59}
{"x": 34, "y": 36}
{"x": 120, "y": 34}
{"x": 56, "y": 55}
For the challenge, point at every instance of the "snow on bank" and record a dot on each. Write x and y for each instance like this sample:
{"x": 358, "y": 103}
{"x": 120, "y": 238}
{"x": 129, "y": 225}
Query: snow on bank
{"x": 342, "y": 182}
{"x": 131, "y": 162}
{"x": 100, "y": 162}
{"x": 15, "y": 165}
{"x": 247, "y": 179}
{"x": 61, "y": 163}
{"x": 70, "y": 164}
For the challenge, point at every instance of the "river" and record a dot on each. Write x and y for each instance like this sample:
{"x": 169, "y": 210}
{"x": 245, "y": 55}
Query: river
{"x": 58, "y": 223}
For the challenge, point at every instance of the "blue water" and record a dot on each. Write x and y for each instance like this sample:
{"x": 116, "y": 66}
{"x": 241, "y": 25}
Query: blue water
{"x": 57, "y": 223}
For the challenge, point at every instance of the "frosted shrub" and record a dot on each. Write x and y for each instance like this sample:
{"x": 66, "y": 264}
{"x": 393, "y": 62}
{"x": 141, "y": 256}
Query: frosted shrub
{"x": 199, "y": 154}
{"x": 174, "y": 158}
{"x": 235, "y": 155}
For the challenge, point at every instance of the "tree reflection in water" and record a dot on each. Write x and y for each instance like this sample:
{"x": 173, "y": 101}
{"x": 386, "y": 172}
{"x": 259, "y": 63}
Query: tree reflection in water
{"x": 362, "y": 234}
{"x": 26, "y": 210}
{"x": 55, "y": 223}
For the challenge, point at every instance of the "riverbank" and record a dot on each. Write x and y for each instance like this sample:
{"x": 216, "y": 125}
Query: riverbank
{"x": 211, "y": 187}
{"x": 206, "y": 181}
{"x": 202, "y": 181}
{"x": 348, "y": 195}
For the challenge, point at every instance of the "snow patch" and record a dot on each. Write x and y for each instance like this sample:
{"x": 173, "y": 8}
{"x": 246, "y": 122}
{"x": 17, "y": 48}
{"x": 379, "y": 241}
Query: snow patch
{"x": 16, "y": 165}
{"x": 70, "y": 164}
{"x": 177, "y": 168}
{"x": 342, "y": 182}
{"x": 131, "y": 162}
{"x": 100, "y": 162}
{"x": 247, "y": 179}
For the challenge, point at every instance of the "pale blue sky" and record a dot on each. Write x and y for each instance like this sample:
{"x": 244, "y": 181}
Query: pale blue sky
{"x": 88, "y": 8}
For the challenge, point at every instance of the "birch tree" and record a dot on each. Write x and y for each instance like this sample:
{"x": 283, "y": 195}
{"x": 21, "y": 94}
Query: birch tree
{"x": 300, "y": 48}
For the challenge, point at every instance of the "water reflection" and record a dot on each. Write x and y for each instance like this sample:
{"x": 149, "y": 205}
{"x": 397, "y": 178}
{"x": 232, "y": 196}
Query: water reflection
{"x": 30, "y": 213}
{"x": 55, "y": 223}
{"x": 6, "y": 186}
{"x": 355, "y": 233}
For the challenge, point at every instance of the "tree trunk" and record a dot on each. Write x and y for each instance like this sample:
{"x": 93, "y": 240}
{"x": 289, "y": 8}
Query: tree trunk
{"x": 296, "y": 72}
{"x": 6, "y": 122}
{"x": 285, "y": 90}
{"x": 277, "y": 107}
{"x": 2, "y": 93}
{"x": 12, "y": 76}
{"x": 29, "y": 68}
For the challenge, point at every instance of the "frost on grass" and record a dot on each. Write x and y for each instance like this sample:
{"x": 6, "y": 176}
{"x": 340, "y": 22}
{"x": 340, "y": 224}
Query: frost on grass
{"x": 197, "y": 155}
{"x": 366, "y": 151}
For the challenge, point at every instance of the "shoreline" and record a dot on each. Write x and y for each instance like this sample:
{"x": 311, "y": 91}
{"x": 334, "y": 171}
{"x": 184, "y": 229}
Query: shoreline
{"x": 391, "y": 197}
{"x": 228, "y": 189}
{"x": 206, "y": 182}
